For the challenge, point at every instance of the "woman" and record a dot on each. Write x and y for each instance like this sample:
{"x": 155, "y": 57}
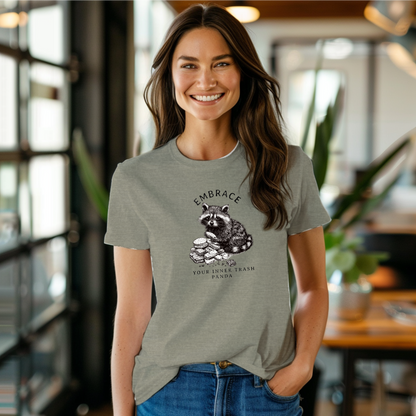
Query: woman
{"x": 221, "y": 339}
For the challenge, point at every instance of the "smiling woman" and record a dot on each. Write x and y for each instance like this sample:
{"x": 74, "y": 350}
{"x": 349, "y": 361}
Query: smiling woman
{"x": 214, "y": 243}
{"x": 207, "y": 85}
{"x": 206, "y": 89}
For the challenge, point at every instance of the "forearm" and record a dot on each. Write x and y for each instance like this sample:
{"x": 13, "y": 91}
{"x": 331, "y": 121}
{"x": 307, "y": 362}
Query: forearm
{"x": 126, "y": 345}
{"x": 310, "y": 319}
{"x": 307, "y": 251}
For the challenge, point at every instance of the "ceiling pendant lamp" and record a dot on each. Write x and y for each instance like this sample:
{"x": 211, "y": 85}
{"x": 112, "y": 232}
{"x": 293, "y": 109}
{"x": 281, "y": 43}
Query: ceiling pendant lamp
{"x": 9, "y": 20}
{"x": 245, "y": 14}
{"x": 393, "y": 16}
{"x": 402, "y": 51}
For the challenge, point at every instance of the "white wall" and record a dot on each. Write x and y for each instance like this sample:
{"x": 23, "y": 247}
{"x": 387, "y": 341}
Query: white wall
{"x": 395, "y": 103}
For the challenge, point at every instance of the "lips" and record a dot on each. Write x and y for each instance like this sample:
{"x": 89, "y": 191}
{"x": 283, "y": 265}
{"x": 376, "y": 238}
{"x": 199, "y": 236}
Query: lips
{"x": 207, "y": 98}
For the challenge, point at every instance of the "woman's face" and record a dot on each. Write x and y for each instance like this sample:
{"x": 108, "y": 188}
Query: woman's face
{"x": 206, "y": 78}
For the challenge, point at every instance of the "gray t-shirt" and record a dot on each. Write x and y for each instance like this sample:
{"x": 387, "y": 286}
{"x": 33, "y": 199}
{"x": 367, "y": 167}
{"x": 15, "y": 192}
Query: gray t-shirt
{"x": 221, "y": 281}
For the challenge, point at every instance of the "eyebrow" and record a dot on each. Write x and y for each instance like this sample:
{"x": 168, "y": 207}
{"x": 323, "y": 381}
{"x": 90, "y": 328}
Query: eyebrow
{"x": 193, "y": 59}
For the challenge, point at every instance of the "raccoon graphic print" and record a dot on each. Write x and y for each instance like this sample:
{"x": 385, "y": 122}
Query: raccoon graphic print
{"x": 224, "y": 237}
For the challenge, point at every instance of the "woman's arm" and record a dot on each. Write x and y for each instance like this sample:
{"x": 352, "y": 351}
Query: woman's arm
{"x": 307, "y": 251}
{"x": 133, "y": 312}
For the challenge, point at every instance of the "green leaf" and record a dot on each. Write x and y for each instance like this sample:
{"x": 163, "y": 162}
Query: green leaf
{"x": 379, "y": 255}
{"x": 311, "y": 108}
{"x": 342, "y": 260}
{"x": 372, "y": 203}
{"x": 320, "y": 154}
{"x": 354, "y": 243}
{"x": 352, "y": 275}
{"x": 366, "y": 263}
{"x": 323, "y": 136}
{"x": 333, "y": 239}
{"x": 338, "y": 106}
{"x": 367, "y": 179}
{"x": 292, "y": 283}
{"x": 96, "y": 192}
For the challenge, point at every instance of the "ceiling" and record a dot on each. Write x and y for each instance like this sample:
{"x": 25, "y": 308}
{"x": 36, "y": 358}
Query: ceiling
{"x": 270, "y": 9}
{"x": 292, "y": 9}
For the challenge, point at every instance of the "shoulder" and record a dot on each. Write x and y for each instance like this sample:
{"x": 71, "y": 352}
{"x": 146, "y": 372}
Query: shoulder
{"x": 145, "y": 162}
{"x": 297, "y": 159}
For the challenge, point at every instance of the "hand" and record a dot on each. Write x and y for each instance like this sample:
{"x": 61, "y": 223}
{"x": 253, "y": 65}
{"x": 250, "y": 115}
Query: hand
{"x": 289, "y": 380}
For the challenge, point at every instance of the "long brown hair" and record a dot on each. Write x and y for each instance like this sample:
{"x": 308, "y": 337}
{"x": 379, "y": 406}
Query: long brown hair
{"x": 256, "y": 118}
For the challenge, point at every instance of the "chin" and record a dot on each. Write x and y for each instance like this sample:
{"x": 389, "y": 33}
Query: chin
{"x": 207, "y": 118}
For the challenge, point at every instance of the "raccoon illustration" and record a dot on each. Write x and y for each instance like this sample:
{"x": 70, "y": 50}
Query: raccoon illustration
{"x": 223, "y": 230}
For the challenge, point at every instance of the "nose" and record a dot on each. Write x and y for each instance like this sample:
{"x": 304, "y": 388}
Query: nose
{"x": 207, "y": 80}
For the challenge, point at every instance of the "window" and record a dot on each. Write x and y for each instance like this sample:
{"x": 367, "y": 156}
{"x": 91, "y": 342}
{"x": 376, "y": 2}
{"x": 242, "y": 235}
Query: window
{"x": 34, "y": 203}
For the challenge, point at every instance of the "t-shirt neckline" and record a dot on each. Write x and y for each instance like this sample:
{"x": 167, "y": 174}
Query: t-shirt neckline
{"x": 204, "y": 164}
{"x": 235, "y": 147}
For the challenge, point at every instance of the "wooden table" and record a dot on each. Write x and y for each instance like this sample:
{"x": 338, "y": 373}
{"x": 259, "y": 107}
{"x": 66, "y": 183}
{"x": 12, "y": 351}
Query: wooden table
{"x": 378, "y": 336}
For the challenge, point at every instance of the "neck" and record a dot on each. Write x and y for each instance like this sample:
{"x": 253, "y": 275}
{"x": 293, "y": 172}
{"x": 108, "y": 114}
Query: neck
{"x": 206, "y": 139}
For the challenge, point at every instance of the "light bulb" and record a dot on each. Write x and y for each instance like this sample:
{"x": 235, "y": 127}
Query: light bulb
{"x": 245, "y": 14}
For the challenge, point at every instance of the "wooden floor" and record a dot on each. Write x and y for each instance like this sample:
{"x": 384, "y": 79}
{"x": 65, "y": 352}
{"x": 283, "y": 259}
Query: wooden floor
{"x": 323, "y": 408}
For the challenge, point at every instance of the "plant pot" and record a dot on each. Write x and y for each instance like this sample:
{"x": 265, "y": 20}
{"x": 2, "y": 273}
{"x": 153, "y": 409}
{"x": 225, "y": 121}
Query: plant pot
{"x": 348, "y": 301}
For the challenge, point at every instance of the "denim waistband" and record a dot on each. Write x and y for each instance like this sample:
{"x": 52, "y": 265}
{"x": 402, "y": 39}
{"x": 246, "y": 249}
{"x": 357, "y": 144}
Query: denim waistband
{"x": 215, "y": 368}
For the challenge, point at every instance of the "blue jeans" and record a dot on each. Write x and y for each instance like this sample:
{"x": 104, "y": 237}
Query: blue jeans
{"x": 208, "y": 390}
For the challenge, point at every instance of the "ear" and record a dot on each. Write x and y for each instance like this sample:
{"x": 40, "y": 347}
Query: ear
{"x": 225, "y": 208}
{"x": 205, "y": 206}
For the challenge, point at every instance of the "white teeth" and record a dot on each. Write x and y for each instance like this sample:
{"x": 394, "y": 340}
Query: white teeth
{"x": 207, "y": 97}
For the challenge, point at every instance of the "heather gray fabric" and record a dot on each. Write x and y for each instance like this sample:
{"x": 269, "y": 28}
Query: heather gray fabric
{"x": 223, "y": 295}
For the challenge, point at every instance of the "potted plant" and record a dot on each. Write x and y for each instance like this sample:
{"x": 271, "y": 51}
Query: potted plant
{"x": 347, "y": 265}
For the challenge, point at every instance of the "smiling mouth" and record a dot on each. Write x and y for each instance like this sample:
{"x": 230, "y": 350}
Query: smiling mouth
{"x": 207, "y": 97}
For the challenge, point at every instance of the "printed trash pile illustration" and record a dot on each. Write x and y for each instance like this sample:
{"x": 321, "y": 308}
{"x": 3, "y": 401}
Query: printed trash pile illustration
{"x": 207, "y": 251}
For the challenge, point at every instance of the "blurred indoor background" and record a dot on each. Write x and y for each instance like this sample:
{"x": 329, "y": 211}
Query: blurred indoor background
{"x": 72, "y": 73}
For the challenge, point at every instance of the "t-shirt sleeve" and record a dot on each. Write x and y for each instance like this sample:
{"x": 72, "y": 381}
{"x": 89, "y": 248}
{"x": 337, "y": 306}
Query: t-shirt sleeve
{"x": 125, "y": 228}
{"x": 309, "y": 211}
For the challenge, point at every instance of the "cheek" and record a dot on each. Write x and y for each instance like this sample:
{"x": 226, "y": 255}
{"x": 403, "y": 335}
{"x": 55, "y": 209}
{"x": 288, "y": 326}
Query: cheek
{"x": 182, "y": 82}
{"x": 233, "y": 83}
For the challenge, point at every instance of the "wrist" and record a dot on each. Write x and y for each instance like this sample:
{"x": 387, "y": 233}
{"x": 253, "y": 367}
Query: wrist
{"x": 304, "y": 363}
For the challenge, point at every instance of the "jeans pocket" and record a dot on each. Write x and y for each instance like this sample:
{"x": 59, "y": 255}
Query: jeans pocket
{"x": 277, "y": 397}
